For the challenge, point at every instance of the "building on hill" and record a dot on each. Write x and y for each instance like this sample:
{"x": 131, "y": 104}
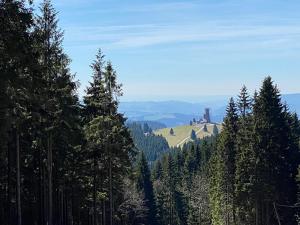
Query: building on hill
{"x": 204, "y": 119}
{"x": 206, "y": 115}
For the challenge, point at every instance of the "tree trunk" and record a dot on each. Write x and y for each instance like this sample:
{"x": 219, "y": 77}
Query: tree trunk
{"x": 277, "y": 216}
{"x": 256, "y": 213}
{"x": 41, "y": 185}
{"x": 104, "y": 213}
{"x": 227, "y": 204}
{"x": 9, "y": 183}
{"x": 50, "y": 204}
{"x": 94, "y": 192}
{"x": 19, "y": 212}
{"x": 110, "y": 191}
{"x": 267, "y": 213}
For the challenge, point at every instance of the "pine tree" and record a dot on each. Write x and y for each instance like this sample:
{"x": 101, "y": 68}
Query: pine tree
{"x": 144, "y": 184}
{"x": 244, "y": 102}
{"x": 215, "y": 130}
{"x": 245, "y": 162}
{"x": 15, "y": 61}
{"x": 157, "y": 170}
{"x": 206, "y": 150}
{"x": 193, "y": 135}
{"x": 146, "y": 128}
{"x": 60, "y": 112}
{"x": 224, "y": 167}
{"x": 94, "y": 111}
{"x": 205, "y": 128}
{"x": 108, "y": 140}
{"x": 272, "y": 145}
{"x": 172, "y": 131}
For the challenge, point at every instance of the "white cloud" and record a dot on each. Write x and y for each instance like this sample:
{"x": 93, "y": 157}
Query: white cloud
{"x": 135, "y": 36}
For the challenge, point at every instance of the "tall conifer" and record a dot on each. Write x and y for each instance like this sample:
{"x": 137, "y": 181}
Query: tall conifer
{"x": 144, "y": 184}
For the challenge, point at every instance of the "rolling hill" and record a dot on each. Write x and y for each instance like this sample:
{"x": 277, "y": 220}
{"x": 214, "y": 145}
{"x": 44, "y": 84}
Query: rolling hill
{"x": 182, "y": 133}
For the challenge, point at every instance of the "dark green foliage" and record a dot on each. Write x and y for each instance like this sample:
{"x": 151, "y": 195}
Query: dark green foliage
{"x": 276, "y": 152}
{"x": 205, "y": 128}
{"x": 153, "y": 125}
{"x": 255, "y": 166}
{"x": 109, "y": 147}
{"x": 175, "y": 175}
{"x": 172, "y": 131}
{"x": 215, "y": 130}
{"x": 152, "y": 145}
{"x": 15, "y": 66}
{"x": 47, "y": 160}
{"x": 223, "y": 170}
{"x": 244, "y": 102}
{"x": 147, "y": 129}
{"x": 144, "y": 184}
{"x": 66, "y": 163}
{"x": 193, "y": 135}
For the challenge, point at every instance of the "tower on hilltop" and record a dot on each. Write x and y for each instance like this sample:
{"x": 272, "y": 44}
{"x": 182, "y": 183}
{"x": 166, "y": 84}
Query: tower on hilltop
{"x": 206, "y": 115}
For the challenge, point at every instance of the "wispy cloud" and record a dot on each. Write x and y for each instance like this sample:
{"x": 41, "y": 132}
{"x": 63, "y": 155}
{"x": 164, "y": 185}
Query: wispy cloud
{"x": 127, "y": 7}
{"x": 136, "y": 36}
{"x": 203, "y": 39}
{"x": 149, "y": 7}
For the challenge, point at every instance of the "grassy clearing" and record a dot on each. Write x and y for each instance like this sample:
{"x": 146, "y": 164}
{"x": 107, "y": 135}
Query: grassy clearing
{"x": 182, "y": 133}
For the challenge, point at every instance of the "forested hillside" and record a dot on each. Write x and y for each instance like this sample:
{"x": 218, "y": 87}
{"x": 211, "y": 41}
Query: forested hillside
{"x": 66, "y": 162}
{"x": 153, "y": 125}
{"x": 153, "y": 146}
{"x": 181, "y": 184}
{"x": 247, "y": 175}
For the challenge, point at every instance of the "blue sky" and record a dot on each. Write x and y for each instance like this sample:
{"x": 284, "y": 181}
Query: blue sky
{"x": 182, "y": 49}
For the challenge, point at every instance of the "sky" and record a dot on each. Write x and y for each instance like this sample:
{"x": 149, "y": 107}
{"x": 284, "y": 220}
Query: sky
{"x": 185, "y": 49}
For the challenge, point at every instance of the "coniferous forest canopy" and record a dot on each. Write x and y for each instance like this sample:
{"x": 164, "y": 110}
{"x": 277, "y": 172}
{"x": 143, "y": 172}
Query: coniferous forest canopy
{"x": 65, "y": 162}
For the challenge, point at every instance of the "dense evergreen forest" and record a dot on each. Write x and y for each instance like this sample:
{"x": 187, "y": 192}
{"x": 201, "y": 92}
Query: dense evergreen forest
{"x": 153, "y": 146}
{"x": 60, "y": 162}
{"x": 153, "y": 125}
{"x": 70, "y": 162}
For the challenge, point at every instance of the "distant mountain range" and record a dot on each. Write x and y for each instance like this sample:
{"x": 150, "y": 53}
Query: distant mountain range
{"x": 176, "y": 113}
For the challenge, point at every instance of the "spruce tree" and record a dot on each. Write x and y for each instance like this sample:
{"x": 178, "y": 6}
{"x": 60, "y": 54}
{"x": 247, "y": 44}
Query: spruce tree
{"x": 15, "y": 80}
{"x": 109, "y": 144}
{"x": 193, "y": 135}
{"x": 215, "y": 130}
{"x": 224, "y": 166}
{"x": 144, "y": 184}
{"x": 269, "y": 167}
{"x": 245, "y": 162}
{"x": 157, "y": 170}
{"x": 146, "y": 128}
{"x": 172, "y": 131}
{"x": 205, "y": 128}
{"x": 244, "y": 102}
{"x": 60, "y": 111}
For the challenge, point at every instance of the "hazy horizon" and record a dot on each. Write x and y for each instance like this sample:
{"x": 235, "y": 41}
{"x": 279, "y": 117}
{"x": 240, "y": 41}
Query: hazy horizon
{"x": 190, "y": 99}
